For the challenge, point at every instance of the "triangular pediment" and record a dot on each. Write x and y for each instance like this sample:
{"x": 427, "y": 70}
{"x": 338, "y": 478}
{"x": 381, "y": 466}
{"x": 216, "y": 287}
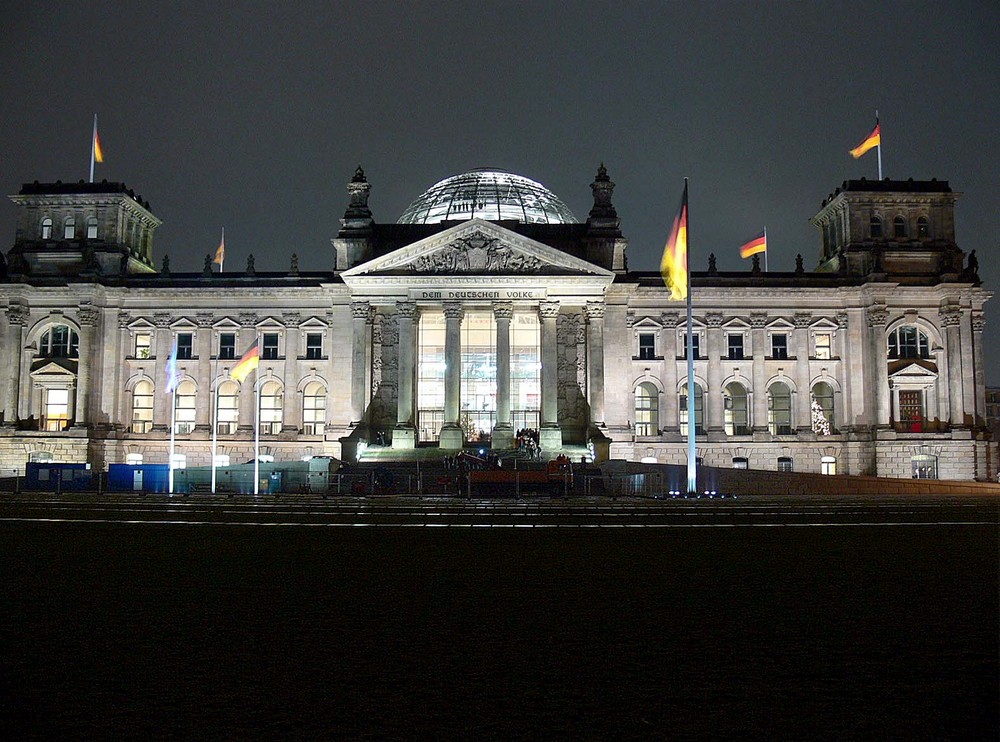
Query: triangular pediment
{"x": 912, "y": 371}
{"x": 477, "y": 248}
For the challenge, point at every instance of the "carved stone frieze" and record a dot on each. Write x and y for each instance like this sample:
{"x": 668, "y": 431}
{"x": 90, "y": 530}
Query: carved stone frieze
{"x": 477, "y": 253}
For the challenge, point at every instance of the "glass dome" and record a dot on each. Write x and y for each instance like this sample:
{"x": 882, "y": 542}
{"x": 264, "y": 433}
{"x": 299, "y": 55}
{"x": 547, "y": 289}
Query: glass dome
{"x": 490, "y": 194}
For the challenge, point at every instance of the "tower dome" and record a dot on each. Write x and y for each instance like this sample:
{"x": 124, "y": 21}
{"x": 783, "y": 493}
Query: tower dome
{"x": 487, "y": 193}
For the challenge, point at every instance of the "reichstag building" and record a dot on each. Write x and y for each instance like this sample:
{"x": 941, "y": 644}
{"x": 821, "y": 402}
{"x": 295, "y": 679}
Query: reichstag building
{"x": 489, "y": 308}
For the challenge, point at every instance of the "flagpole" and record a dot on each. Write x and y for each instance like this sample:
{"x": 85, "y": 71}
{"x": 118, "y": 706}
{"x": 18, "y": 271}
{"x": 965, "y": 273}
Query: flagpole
{"x": 222, "y": 258}
{"x": 93, "y": 140}
{"x": 173, "y": 414}
{"x": 215, "y": 419}
{"x": 879, "y": 148}
{"x": 765, "y": 248}
{"x": 256, "y": 435}
{"x": 692, "y": 473}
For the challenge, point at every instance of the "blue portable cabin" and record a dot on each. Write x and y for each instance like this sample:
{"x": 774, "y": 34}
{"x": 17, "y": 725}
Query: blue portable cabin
{"x": 138, "y": 478}
{"x": 46, "y": 476}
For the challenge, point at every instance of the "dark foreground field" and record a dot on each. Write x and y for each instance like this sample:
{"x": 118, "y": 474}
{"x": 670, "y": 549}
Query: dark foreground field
{"x": 128, "y": 630}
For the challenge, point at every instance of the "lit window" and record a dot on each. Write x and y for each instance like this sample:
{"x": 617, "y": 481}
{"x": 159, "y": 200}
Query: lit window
{"x": 56, "y": 409}
{"x": 185, "y": 403}
{"x": 313, "y": 408}
{"x": 185, "y": 346}
{"x": 821, "y": 346}
{"x": 737, "y": 410}
{"x": 899, "y": 227}
{"x": 924, "y": 466}
{"x": 779, "y": 409}
{"x": 735, "y": 342}
{"x": 92, "y": 228}
{"x": 227, "y": 408}
{"x": 908, "y": 342}
{"x": 828, "y": 465}
{"x": 69, "y": 228}
{"x": 314, "y": 345}
{"x": 741, "y": 462}
{"x": 699, "y": 408}
{"x": 142, "y": 407}
{"x": 647, "y": 346}
{"x": 59, "y": 342}
{"x": 143, "y": 345}
{"x": 270, "y": 407}
{"x": 646, "y": 409}
{"x": 779, "y": 346}
{"x": 923, "y": 227}
{"x": 227, "y": 346}
{"x": 875, "y": 227}
{"x": 269, "y": 350}
{"x": 47, "y": 228}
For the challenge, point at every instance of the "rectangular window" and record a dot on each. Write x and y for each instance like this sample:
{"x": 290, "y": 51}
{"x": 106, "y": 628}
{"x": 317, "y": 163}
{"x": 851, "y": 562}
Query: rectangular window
{"x": 911, "y": 410}
{"x": 227, "y": 346}
{"x": 143, "y": 345}
{"x": 735, "y": 340}
{"x": 779, "y": 346}
{"x": 314, "y": 345}
{"x": 695, "y": 343}
{"x": 784, "y": 463}
{"x": 647, "y": 346}
{"x": 185, "y": 345}
{"x": 56, "y": 409}
{"x": 821, "y": 346}
{"x": 269, "y": 348}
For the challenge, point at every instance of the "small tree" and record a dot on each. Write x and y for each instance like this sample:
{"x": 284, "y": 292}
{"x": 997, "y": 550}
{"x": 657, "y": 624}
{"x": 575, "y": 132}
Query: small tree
{"x": 820, "y": 425}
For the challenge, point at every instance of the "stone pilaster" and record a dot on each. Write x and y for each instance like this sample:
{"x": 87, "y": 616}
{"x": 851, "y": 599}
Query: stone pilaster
{"x": 951, "y": 319}
{"x": 291, "y": 414}
{"x": 203, "y": 411}
{"x": 17, "y": 319}
{"x": 878, "y": 317}
{"x": 88, "y": 317}
{"x": 452, "y": 435}
{"x": 164, "y": 344}
{"x": 503, "y": 432}
{"x": 978, "y": 325}
{"x": 550, "y": 435}
{"x": 595, "y": 361}
{"x": 668, "y": 413}
{"x": 713, "y": 395}
{"x": 758, "y": 342}
{"x": 405, "y": 435}
{"x": 248, "y": 334}
{"x": 803, "y": 399}
{"x": 360, "y": 323}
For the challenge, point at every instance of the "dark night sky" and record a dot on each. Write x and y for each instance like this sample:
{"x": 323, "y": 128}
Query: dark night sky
{"x": 254, "y": 119}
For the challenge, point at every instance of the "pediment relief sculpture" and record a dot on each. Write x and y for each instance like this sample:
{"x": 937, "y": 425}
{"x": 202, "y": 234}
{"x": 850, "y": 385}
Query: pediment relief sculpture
{"x": 477, "y": 253}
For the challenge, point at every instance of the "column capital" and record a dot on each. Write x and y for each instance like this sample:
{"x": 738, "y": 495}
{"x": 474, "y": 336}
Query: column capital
{"x": 88, "y": 315}
{"x": 291, "y": 319}
{"x": 950, "y": 317}
{"x": 454, "y": 310}
{"x": 595, "y": 310}
{"x": 978, "y": 322}
{"x": 124, "y": 318}
{"x": 713, "y": 319}
{"x": 548, "y": 309}
{"x": 204, "y": 319}
{"x": 406, "y": 309}
{"x": 669, "y": 319}
{"x": 503, "y": 310}
{"x": 758, "y": 320}
{"x": 842, "y": 320}
{"x": 17, "y": 314}
{"x": 877, "y": 316}
{"x": 360, "y": 310}
{"x": 802, "y": 319}
{"x": 162, "y": 319}
{"x": 248, "y": 319}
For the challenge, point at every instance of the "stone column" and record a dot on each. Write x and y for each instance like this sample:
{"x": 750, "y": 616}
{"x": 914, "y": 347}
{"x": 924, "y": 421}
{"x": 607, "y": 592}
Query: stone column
{"x": 978, "y": 325}
{"x": 248, "y": 333}
{"x": 206, "y": 399}
{"x": 360, "y": 315}
{"x": 452, "y": 435}
{"x": 843, "y": 410}
{"x": 121, "y": 413}
{"x": 17, "y": 318}
{"x": 291, "y": 414}
{"x": 803, "y": 399}
{"x": 503, "y": 431}
{"x": 164, "y": 345}
{"x": 877, "y": 320}
{"x": 758, "y": 343}
{"x": 713, "y": 395}
{"x": 88, "y": 317}
{"x": 950, "y": 321}
{"x": 669, "y": 421}
{"x": 595, "y": 361}
{"x": 550, "y": 436}
{"x": 405, "y": 434}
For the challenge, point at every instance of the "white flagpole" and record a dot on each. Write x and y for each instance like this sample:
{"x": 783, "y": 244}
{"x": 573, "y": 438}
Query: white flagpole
{"x": 256, "y": 435}
{"x": 765, "y": 248}
{"x": 173, "y": 414}
{"x": 93, "y": 141}
{"x": 215, "y": 420}
{"x": 879, "y": 147}
{"x": 222, "y": 260}
{"x": 692, "y": 472}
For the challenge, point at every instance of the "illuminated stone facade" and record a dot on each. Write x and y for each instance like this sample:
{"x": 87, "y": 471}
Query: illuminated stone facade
{"x": 439, "y": 331}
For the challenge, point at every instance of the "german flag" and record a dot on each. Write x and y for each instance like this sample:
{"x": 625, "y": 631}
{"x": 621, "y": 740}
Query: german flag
{"x": 674, "y": 263}
{"x": 754, "y": 246}
{"x": 98, "y": 152}
{"x": 249, "y": 361}
{"x": 873, "y": 140}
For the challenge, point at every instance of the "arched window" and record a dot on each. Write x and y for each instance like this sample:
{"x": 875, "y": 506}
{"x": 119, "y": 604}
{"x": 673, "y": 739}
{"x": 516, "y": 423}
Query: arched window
{"x": 69, "y": 228}
{"x": 59, "y": 341}
{"x": 734, "y": 396}
{"x": 899, "y": 227}
{"x": 313, "y": 408}
{"x": 92, "y": 228}
{"x": 923, "y": 227}
{"x": 142, "y": 407}
{"x": 185, "y": 403}
{"x": 779, "y": 409}
{"x": 647, "y": 416}
{"x": 908, "y": 342}
{"x": 270, "y": 408}
{"x": 227, "y": 411}
{"x": 822, "y": 394}
{"x": 699, "y": 409}
{"x": 47, "y": 228}
{"x": 875, "y": 227}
